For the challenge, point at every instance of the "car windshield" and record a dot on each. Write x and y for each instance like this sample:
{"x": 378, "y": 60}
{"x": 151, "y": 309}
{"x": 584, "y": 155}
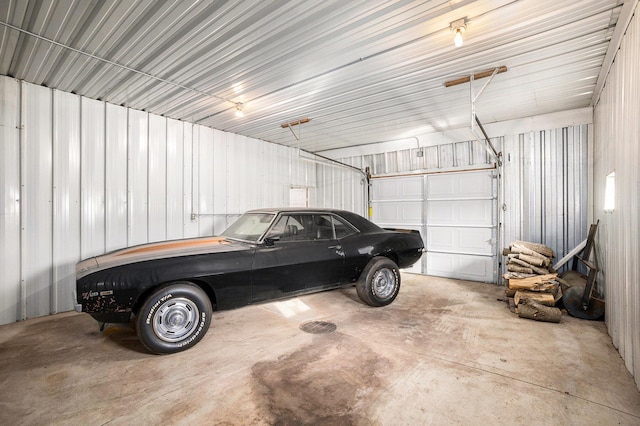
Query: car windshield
{"x": 249, "y": 226}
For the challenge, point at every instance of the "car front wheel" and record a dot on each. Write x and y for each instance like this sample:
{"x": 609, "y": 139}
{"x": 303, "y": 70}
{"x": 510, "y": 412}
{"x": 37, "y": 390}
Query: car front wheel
{"x": 379, "y": 283}
{"x": 174, "y": 318}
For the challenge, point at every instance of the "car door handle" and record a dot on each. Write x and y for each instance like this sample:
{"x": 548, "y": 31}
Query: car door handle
{"x": 338, "y": 249}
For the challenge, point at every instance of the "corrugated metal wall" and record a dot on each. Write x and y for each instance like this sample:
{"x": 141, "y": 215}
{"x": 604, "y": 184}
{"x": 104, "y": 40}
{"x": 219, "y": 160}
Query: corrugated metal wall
{"x": 440, "y": 157}
{"x": 343, "y": 187}
{"x": 545, "y": 188}
{"x": 617, "y": 149}
{"x": 79, "y": 177}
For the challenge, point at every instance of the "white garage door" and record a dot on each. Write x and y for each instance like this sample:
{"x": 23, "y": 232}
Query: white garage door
{"x": 461, "y": 221}
{"x": 456, "y": 214}
{"x": 399, "y": 203}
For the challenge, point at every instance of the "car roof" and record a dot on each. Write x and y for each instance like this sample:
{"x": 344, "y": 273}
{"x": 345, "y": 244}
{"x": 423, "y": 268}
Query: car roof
{"x": 363, "y": 224}
{"x": 295, "y": 209}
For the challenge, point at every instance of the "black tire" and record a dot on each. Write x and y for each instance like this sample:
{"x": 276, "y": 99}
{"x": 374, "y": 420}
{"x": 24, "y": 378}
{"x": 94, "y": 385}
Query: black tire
{"x": 379, "y": 283}
{"x": 174, "y": 318}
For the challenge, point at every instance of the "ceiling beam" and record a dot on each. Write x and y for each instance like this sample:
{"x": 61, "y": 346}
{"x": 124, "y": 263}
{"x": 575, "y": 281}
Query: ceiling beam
{"x": 295, "y": 123}
{"x": 476, "y": 76}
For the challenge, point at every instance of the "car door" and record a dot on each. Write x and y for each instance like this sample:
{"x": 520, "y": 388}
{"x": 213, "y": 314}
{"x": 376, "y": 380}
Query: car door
{"x": 300, "y": 252}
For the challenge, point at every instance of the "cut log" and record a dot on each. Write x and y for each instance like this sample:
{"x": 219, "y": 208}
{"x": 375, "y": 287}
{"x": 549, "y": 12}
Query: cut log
{"x": 559, "y": 294}
{"x": 534, "y": 260}
{"x": 517, "y": 248}
{"x": 519, "y": 283}
{"x": 533, "y": 310}
{"x": 510, "y": 292}
{"x": 539, "y": 270}
{"x": 517, "y": 275}
{"x": 538, "y": 248}
{"x": 547, "y": 287}
{"x": 516, "y": 261}
{"x": 516, "y": 268}
{"x": 535, "y": 269}
{"x": 543, "y": 298}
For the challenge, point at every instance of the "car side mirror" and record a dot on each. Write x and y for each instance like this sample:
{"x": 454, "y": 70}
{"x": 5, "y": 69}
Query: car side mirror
{"x": 270, "y": 241}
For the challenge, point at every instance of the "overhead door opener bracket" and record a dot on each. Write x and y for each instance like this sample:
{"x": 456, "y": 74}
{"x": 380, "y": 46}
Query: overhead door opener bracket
{"x": 475, "y": 121}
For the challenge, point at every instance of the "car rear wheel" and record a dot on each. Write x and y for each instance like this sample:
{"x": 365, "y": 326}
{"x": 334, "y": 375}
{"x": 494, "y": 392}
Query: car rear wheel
{"x": 379, "y": 283}
{"x": 174, "y": 318}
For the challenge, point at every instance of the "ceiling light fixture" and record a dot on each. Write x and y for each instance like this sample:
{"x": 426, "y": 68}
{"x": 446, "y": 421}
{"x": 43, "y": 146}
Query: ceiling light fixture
{"x": 239, "y": 108}
{"x": 458, "y": 27}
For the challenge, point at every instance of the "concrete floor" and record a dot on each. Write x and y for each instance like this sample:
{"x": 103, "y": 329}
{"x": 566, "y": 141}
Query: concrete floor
{"x": 445, "y": 352}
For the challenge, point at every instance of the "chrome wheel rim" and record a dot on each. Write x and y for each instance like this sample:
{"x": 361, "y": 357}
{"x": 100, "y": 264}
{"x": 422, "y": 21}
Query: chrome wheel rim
{"x": 384, "y": 283}
{"x": 176, "y": 319}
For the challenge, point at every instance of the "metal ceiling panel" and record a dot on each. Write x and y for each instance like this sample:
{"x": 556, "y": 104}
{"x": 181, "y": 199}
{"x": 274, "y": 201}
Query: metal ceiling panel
{"x": 363, "y": 72}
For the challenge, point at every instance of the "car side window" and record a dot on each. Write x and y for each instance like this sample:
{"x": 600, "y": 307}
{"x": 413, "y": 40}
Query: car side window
{"x": 288, "y": 228}
{"x": 324, "y": 227}
{"x": 316, "y": 227}
{"x": 342, "y": 229}
{"x": 310, "y": 227}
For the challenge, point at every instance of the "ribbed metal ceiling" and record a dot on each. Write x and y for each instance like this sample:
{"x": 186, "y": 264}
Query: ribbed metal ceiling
{"x": 362, "y": 71}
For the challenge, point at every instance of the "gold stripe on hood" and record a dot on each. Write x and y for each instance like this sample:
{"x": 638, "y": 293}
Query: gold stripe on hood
{"x": 172, "y": 245}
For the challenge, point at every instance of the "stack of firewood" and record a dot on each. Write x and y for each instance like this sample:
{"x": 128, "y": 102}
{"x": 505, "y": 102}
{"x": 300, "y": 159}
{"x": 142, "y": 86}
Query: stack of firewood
{"x": 528, "y": 258}
{"x": 532, "y": 285}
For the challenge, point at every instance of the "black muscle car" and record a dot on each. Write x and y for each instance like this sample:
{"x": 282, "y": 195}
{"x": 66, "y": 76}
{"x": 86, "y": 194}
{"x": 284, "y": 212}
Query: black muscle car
{"x": 171, "y": 288}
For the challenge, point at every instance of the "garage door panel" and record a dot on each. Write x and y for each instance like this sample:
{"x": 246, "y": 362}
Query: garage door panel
{"x": 460, "y": 212}
{"x": 397, "y": 201}
{"x": 460, "y": 240}
{"x": 411, "y": 188}
{"x": 460, "y": 185}
{"x": 397, "y": 189}
{"x": 460, "y": 266}
{"x": 406, "y": 212}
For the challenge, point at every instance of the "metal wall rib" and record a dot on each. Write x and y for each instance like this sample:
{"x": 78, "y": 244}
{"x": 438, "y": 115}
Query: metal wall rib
{"x": 617, "y": 149}
{"x": 79, "y": 177}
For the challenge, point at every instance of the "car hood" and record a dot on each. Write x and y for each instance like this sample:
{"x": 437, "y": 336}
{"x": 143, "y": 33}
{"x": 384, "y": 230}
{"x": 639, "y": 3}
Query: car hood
{"x": 160, "y": 250}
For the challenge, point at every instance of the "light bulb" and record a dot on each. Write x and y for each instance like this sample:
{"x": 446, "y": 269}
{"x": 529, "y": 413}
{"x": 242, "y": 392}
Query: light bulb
{"x": 239, "y": 112}
{"x": 458, "y": 38}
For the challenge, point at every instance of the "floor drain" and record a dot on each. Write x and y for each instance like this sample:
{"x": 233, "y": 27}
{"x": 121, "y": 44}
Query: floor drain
{"x": 318, "y": 327}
